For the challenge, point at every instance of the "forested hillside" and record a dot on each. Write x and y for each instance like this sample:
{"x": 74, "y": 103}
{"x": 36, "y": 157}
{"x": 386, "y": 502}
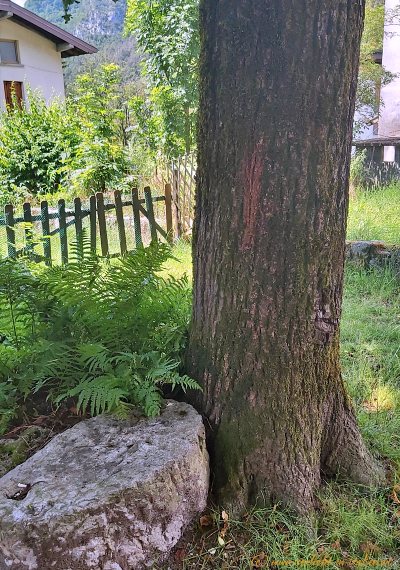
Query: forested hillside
{"x": 99, "y": 22}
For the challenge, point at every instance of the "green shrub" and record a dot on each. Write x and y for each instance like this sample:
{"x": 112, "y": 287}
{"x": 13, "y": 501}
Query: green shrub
{"x": 80, "y": 146}
{"x": 37, "y": 144}
{"x": 109, "y": 335}
{"x": 358, "y": 168}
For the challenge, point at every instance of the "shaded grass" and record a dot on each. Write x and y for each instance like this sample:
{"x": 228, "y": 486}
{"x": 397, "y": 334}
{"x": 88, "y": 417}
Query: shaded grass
{"x": 350, "y": 530}
{"x": 375, "y": 214}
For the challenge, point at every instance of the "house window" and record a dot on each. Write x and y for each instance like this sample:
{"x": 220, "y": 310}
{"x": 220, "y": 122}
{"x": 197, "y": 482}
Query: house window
{"x": 13, "y": 93}
{"x": 8, "y": 52}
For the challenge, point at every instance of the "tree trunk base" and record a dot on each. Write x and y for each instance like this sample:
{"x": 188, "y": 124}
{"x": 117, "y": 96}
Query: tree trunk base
{"x": 269, "y": 476}
{"x": 348, "y": 457}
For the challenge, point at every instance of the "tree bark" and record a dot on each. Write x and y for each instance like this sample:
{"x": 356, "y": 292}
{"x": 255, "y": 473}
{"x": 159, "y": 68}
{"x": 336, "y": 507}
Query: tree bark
{"x": 278, "y": 81}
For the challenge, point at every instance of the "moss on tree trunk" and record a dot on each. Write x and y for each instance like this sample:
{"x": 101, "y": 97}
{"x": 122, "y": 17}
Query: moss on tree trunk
{"x": 278, "y": 82}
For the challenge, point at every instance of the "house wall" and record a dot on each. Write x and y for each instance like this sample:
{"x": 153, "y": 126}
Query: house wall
{"x": 40, "y": 66}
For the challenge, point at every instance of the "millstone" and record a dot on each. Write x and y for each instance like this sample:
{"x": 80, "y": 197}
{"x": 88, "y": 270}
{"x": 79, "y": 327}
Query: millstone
{"x": 107, "y": 494}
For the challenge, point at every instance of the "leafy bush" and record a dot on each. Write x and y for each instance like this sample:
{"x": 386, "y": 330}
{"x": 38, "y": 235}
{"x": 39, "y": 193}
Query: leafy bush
{"x": 109, "y": 335}
{"x": 80, "y": 147}
{"x": 358, "y": 168}
{"x": 37, "y": 143}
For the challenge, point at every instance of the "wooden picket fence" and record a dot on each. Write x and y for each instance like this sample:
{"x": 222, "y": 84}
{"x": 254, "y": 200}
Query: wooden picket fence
{"x": 182, "y": 177}
{"x": 39, "y": 235}
{"x": 180, "y": 173}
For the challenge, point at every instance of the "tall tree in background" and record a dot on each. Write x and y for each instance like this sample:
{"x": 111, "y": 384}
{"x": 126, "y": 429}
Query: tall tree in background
{"x": 277, "y": 92}
{"x": 167, "y": 31}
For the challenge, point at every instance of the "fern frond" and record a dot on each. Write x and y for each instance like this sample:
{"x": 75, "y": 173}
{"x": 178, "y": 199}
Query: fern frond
{"x": 80, "y": 249}
{"x": 94, "y": 356}
{"x": 183, "y": 381}
{"x": 148, "y": 397}
{"x": 101, "y": 394}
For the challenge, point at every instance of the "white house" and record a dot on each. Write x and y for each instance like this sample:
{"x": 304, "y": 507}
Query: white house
{"x": 382, "y": 140}
{"x": 31, "y": 53}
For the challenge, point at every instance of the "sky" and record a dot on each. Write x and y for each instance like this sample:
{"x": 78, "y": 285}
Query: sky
{"x": 20, "y": 2}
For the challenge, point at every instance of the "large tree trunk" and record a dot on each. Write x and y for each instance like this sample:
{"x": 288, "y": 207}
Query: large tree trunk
{"x": 278, "y": 80}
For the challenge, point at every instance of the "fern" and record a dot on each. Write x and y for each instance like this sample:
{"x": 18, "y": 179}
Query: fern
{"x": 8, "y": 404}
{"x": 147, "y": 396}
{"x": 108, "y": 334}
{"x": 101, "y": 394}
{"x": 111, "y": 383}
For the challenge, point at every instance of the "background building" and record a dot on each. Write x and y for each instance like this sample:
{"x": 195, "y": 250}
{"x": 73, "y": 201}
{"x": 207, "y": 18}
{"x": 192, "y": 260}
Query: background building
{"x": 31, "y": 53}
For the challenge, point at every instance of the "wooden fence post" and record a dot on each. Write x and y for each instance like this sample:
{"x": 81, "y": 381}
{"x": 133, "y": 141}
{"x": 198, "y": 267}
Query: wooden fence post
{"x": 150, "y": 213}
{"x": 183, "y": 188}
{"x": 136, "y": 217}
{"x": 78, "y": 227}
{"x": 63, "y": 231}
{"x": 10, "y": 231}
{"x": 168, "y": 213}
{"x": 29, "y": 248}
{"x": 176, "y": 209}
{"x": 101, "y": 216}
{"x": 44, "y": 214}
{"x": 191, "y": 192}
{"x": 93, "y": 225}
{"x": 120, "y": 221}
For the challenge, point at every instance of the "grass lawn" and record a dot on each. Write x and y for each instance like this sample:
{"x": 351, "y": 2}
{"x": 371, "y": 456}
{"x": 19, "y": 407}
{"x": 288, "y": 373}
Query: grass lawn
{"x": 375, "y": 215}
{"x": 353, "y": 527}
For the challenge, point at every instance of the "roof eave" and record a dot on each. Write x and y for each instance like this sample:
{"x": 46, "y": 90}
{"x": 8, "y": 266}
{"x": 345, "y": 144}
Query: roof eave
{"x": 377, "y": 141}
{"x": 56, "y": 34}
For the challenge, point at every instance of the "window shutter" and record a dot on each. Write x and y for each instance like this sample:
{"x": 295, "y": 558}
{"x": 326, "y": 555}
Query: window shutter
{"x": 7, "y": 92}
{"x": 11, "y": 87}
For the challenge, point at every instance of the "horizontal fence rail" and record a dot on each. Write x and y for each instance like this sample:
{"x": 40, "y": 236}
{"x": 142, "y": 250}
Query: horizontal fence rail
{"x": 37, "y": 230}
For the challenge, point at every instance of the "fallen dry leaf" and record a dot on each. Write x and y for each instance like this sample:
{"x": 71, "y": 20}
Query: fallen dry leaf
{"x": 394, "y": 495}
{"x": 180, "y": 555}
{"x": 225, "y": 526}
{"x": 259, "y": 560}
{"x": 206, "y": 521}
{"x": 369, "y": 548}
{"x": 40, "y": 420}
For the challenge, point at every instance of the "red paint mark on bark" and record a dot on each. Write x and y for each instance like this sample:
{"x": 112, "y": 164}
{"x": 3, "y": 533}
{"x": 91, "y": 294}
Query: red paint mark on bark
{"x": 251, "y": 177}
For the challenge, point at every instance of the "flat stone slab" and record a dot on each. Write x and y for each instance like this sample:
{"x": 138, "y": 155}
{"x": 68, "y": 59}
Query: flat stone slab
{"x": 373, "y": 253}
{"x": 106, "y": 494}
